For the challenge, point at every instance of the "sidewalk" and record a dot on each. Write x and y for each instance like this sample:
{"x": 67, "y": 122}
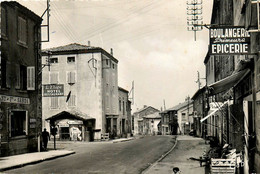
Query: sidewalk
{"x": 16, "y": 161}
{"x": 185, "y": 147}
{"x": 11, "y": 162}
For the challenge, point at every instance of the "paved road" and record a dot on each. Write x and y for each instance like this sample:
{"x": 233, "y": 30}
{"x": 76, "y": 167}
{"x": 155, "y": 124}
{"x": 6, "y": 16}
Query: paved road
{"x": 124, "y": 157}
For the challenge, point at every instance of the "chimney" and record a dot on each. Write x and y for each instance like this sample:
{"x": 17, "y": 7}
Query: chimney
{"x": 111, "y": 51}
{"x": 145, "y": 106}
{"x": 89, "y": 43}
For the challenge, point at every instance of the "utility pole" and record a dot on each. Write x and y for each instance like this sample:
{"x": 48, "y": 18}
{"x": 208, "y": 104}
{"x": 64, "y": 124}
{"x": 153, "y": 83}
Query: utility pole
{"x": 198, "y": 80}
{"x": 194, "y": 19}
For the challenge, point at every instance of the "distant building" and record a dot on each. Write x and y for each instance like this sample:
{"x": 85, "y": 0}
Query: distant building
{"x": 169, "y": 122}
{"x": 151, "y": 124}
{"x": 124, "y": 117}
{"x": 200, "y": 111}
{"x": 89, "y": 76}
{"x": 20, "y": 85}
{"x": 178, "y": 119}
{"x": 138, "y": 118}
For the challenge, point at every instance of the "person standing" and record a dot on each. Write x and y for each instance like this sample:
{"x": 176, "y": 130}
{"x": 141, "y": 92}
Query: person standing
{"x": 45, "y": 138}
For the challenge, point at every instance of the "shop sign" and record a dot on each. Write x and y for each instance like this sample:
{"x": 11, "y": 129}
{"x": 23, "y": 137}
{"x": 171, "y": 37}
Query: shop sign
{"x": 229, "y": 41}
{"x": 53, "y": 90}
{"x": 75, "y": 122}
{"x": 13, "y": 99}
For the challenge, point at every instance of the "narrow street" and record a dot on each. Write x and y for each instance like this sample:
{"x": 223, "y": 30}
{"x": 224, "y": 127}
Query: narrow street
{"x": 102, "y": 157}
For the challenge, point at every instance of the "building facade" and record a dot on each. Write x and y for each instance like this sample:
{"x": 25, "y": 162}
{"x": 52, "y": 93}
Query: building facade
{"x": 89, "y": 76}
{"x": 199, "y": 108}
{"x": 178, "y": 119}
{"x": 151, "y": 124}
{"x": 124, "y": 119}
{"x": 20, "y": 85}
{"x": 138, "y": 118}
{"x": 233, "y": 85}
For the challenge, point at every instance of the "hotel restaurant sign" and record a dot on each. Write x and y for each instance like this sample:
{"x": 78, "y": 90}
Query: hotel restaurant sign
{"x": 53, "y": 90}
{"x": 229, "y": 40}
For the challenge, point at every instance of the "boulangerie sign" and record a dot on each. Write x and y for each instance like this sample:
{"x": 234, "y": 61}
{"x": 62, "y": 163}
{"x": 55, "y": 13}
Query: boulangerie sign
{"x": 229, "y": 40}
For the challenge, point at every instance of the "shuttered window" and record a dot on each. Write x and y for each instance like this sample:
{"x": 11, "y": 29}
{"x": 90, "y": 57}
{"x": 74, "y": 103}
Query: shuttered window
{"x": 22, "y": 30}
{"x": 54, "y": 102}
{"x": 31, "y": 78}
{"x": 3, "y": 22}
{"x": 72, "y": 101}
{"x": 23, "y": 77}
{"x": 3, "y": 73}
{"x": 17, "y": 77}
{"x": 8, "y": 74}
{"x": 258, "y": 74}
{"x": 71, "y": 77}
{"x": 54, "y": 78}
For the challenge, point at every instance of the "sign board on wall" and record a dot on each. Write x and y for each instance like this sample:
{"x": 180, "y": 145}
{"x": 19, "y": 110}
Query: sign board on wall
{"x": 229, "y": 40}
{"x": 13, "y": 99}
{"x": 53, "y": 90}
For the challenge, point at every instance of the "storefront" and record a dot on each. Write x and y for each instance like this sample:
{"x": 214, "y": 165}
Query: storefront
{"x": 73, "y": 126}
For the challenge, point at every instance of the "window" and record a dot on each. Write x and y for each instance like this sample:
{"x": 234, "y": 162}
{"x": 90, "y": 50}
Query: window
{"x": 120, "y": 105}
{"x": 123, "y": 108}
{"x": 71, "y": 77}
{"x": 3, "y": 22}
{"x": 54, "y": 60}
{"x": 18, "y": 123}
{"x": 258, "y": 74}
{"x": 3, "y": 73}
{"x": 107, "y": 61}
{"x": 22, "y": 30}
{"x": 70, "y": 59}
{"x": 54, "y": 77}
{"x": 183, "y": 115}
{"x": 23, "y": 77}
{"x": 72, "y": 101}
{"x": 54, "y": 102}
{"x": 113, "y": 66}
{"x": 31, "y": 78}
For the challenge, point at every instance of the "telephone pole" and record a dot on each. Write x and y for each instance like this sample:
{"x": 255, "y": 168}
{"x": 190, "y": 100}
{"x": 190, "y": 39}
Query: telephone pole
{"x": 198, "y": 80}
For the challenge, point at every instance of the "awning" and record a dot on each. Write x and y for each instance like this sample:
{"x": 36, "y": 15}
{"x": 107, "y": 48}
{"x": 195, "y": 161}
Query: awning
{"x": 227, "y": 82}
{"x": 70, "y": 115}
{"x": 214, "y": 111}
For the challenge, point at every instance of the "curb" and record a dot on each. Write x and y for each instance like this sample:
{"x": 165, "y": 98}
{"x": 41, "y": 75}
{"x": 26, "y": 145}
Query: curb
{"x": 34, "y": 162}
{"x": 160, "y": 159}
{"x": 123, "y": 140}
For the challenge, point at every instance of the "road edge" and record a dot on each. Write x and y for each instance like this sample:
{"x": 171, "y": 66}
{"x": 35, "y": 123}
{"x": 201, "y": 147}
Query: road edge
{"x": 35, "y": 162}
{"x": 145, "y": 171}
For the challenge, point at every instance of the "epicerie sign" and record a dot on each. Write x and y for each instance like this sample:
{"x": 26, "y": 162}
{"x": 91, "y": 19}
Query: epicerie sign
{"x": 53, "y": 90}
{"x": 229, "y": 40}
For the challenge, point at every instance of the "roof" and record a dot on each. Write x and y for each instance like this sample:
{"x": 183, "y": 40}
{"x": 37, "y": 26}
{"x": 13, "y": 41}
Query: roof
{"x": 24, "y": 10}
{"x": 70, "y": 114}
{"x": 153, "y": 115}
{"x": 179, "y": 106}
{"x": 199, "y": 91}
{"x": 122, "y": 89}
{"x": 70, "y": 47}
{"x": 144, "y": 108}
{"x": 76, "y": 48}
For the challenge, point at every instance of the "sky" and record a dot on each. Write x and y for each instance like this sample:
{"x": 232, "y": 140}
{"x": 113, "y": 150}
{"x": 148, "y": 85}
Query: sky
{"x": 149, "y": 38}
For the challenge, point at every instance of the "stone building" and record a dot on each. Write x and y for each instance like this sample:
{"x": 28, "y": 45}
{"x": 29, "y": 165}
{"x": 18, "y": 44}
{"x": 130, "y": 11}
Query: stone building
{"x": 200, "y": 111}
{"x": 178, "y": 119}
{"x": 233, "y": 83}
{"x": 87, "y": 78}
{"x": 20, "y": 85}
{"x": 138, "y": 118}
{"x": 124, "y": 117}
